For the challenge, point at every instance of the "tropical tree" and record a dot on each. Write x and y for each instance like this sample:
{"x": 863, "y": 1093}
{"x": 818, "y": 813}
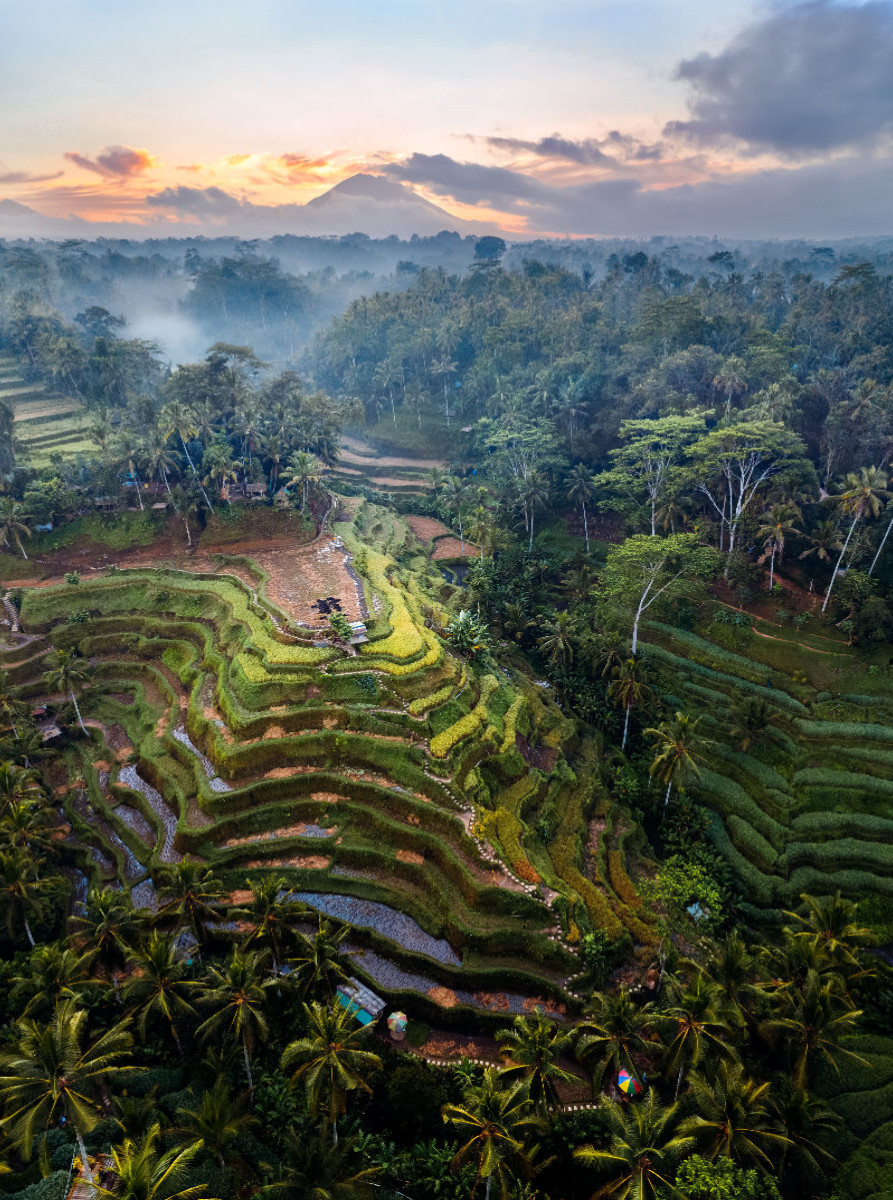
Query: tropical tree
{"x": 159, "y": 986}
{"x": 629, "y": 688}
{"x": 304, "y": 469}
{"x": 54, "y": 1071}
{"x": 863, "y": 496}
{"x": 14, "y": 523}
{"x": 140, "y": 1171}
{"x": 557, "y": 639}
{"x": 645, "y": 1147}
{"x": 330, "y": 1061}
{"x": 217, "y": 1121}
{"x": 177, "y": 418}
{"x": 455, "y": 496}
{"x": 695, "y": 1026}
{"x": 271, "y": 912}
{"x": 494, "y": 1124}
{"x": 610, "y": 1036}
{"x": 811, "y": 1025}
{"x": 824, "y": 541}
{"x": 677, "y": 746}
{"x": 808, "y": 1125}
{"x": 580, "y": 490}
{"x": 318, "y": 967}
{"x": 160, "y": 461}
{"x": 54, "y": 974}
{"x": 829, "y": 922}
{"x": 533, "y": 493}
{"x": 191, "y": 897}
{"x": 318, "y": 1169}
{"x": 733, "y": 1118}
{"x": 531, "y": 1049}
{"x": 18, "y": 785}
{"x": 106, "y": 929}
{"x": 20, "y": 890}
{"x": 12, "y": 708}
{"x": 236, "y": 998}
{"x": 776, "y": 524}
{"x": 68, "y": 674}
{"x": 220, "y": 468}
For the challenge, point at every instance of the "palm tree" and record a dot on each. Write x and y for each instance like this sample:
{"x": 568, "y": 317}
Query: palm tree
{"x": 218, "y": 1121}
{"x": 54, "y": 974}
{"x": 11, "y": 707}
{"x": 304, "y": 468}
{"x": 531, "y": 1049}
{"x": 645, "y": 1148}
{"x": 812, "y": 1024}
{"x": 125, "y": 451}
{"x": 236, "y": 997}
{"x": 776, "y": 524}
{"x": 18, "y": 785}
{"x": 804, "y": 1118}
{"x": 317, "y": 969}
{"x": 159, "y": 460}
{"x": 753, "y": 719}
{"x": 106, "y": 930}
{"x": 732, "y": 968}
{"x": 733, "y": 1119}
{"x": 609, "y": 1036}
{"x": 14, "y": 523}
{"x": 863, "y": 497}
{"x": 496, "y": 1121}
{"x": 159, "y": 986}
{"x": 317, "y": 1169}
{"x": 330, "y": 1061}
{"x": 455, "y": 493}
{"x": 580, "y": 490}
{"x": 677, "y": 746}
{"x": 140, "y": 1171}
{"x": 825, "y": 539}
{"x": 28, "y": 827}
{"x": 695, "y": 1026}
{"x": 177, "y": 418}
{"x": 557, "y": 640}
{"x": 20, "y": 888}
{"x": 533, "y": 492}
{"x": 68, "y": 674}
{"x": 580, "y": 581}
{"x": 830, "y": 924}
{"x": 52, "y": 1073}
{"x": 191, "y": 897}
{"x": 220, "y": 468}
{"x": 629, "y": 688}
{"x": 271, "y": 912}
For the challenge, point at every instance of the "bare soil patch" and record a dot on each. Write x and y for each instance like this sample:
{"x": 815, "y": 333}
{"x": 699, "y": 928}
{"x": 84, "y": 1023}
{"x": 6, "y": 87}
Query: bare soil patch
{"x": 452, "y": 547}
{"x": 427, "y": 529}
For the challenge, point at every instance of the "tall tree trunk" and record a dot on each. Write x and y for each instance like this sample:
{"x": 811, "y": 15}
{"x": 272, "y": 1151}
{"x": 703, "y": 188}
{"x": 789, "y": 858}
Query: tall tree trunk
{"x": 77, "y": 709}
{"x": 667, "y": 797}
{"x": 85, "y": 1165}
{"x": 22, "y": 548}
{"x": 629, "y": 704}
{"x": 247, "y": 1065}
{"x": 195, "y": 473}
{"x": 529, "y": 551}
{"x": 772, "y": 568}
{"x": 881, "y": 546}
{"x": 585, "y": 527}
{"x": 839, "y": 561}
{"x": 28, "y": 929}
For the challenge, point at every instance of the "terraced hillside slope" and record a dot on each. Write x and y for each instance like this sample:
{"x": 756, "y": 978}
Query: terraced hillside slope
{"x": 804, "y": 802}
{"x": 394, "y": 784}
{"x": 45, "y": 421}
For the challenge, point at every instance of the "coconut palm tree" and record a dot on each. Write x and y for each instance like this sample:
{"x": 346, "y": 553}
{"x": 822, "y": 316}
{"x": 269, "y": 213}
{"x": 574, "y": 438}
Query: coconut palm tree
{"x": 825, "y": 541}
{"x": 159, "y": 460}
{"x": 14, "y": 523}
{"x": 106, "y": 929}
{"x": 455, "y": 496}
{"x": 271, "y": 913}
{"x": 217, "y": 1121}
{"x": 863, "y": 496}
{"x": 12, "y": 709}
{"x": 18, "y": 785}
{"x": 220, "y": 469}
{"x": 191, "y": 897}
{"x": 316, "y": 1169}
{"x": 177, "y": 418}
{"x": 54, "y": 1071}
{"x": 304, "y": 469}
{"x": 733, "y": 968}
{"x": 557, "y": 639}
{"x": 317, "y": 968}
{"x": 494, "y": 1124}
{"x": 533, "y": 493}
{"x": 126, "y": 452}
{"x": 610, "y": 1036}
{"x": 776, "y": 524}
{"x": 645, "y": 1147}
{"x": 330, "y": 1061}
{"x": 629, "y": 688}
{"x": 140, "y": 1171}
{"x": 68, "y": 674}
{"x": 159, "y": 987}
{"x": 811, "y": 1024}
{"x": 28, "y": 827}
{"x": 54, "y": 974}
{"x": 806, "y": 1122}
{"x": 531, "y": 1049}
{"x": 20, "y": 890}
{"x": 733, "y": 1119}
{"x": 236, "y": 997}
{"x": 830, "y": 924}
{"x": 580, "y": 491}
{"x": 695, "y": 1026}
{"x": 677, "y": 746}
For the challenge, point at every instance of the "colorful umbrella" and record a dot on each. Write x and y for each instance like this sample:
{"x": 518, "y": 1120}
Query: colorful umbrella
{"x": 397, "y": 1025}
{"x": 628, "y": 1084}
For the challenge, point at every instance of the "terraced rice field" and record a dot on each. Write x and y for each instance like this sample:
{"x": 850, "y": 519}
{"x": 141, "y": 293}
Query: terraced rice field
{"x": 360, "y": 463}
{"x": 398, "y": 782}
{"x": 45, "y": 422}
{"x": 811, "y": 809}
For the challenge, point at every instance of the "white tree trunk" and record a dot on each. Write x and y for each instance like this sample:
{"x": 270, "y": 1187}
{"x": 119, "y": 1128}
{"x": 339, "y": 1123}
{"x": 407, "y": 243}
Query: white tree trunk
{"x": 839, "y": 561}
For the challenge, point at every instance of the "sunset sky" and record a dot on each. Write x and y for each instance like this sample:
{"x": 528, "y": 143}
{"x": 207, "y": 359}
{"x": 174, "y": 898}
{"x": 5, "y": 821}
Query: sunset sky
{"x": 570, "y": 117}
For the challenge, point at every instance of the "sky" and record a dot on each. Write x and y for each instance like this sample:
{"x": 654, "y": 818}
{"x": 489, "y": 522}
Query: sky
{"x": 562, "y": 118}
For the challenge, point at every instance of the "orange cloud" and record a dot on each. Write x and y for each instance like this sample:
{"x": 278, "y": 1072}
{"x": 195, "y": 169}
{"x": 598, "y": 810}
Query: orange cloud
{"x": 115, "y": 162}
